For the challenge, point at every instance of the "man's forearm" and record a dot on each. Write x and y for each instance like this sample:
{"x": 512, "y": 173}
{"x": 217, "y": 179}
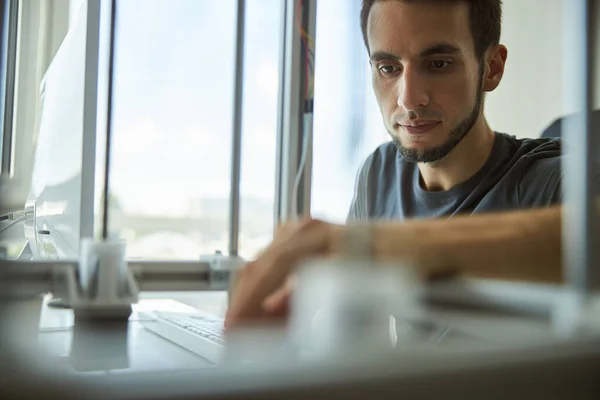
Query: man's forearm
{"x": 521, "y": 245}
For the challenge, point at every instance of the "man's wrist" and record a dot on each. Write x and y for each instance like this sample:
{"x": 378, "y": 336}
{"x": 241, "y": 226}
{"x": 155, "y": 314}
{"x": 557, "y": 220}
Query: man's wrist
{"x": 353, "y": 241}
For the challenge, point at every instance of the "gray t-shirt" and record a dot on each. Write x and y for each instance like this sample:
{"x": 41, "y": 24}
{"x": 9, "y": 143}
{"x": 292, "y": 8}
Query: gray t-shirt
{"x": 520, "y": 173}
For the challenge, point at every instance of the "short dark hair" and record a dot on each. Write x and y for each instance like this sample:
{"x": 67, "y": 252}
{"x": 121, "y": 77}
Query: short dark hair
{"x": 485, "y": 19}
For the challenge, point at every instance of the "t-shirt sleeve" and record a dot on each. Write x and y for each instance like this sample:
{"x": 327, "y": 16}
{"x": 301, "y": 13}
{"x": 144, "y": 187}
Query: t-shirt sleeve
{"x": 358, "y": 206}
{"x": 548, "y": 178}
{"x": 542, "y": 183}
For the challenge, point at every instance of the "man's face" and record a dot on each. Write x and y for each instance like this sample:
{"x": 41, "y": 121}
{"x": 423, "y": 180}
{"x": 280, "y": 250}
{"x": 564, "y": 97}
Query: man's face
{"x": 426, "y": 76}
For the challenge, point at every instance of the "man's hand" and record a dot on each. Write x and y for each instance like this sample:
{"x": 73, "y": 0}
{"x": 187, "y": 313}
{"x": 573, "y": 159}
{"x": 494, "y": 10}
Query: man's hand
{"x": 263, "y": 286}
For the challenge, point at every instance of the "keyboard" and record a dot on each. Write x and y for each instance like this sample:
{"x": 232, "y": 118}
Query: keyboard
{"x": 202, "y": 333}
{"x": 198, "y": 332}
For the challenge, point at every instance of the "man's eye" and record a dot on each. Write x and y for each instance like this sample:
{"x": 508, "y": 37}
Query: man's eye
{"x": 388, "y": 69}
{"x": 439, "y": 64}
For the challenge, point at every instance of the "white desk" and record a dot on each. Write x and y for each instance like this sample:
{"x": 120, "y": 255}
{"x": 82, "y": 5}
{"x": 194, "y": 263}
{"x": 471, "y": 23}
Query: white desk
{"x": 145, "y": 351}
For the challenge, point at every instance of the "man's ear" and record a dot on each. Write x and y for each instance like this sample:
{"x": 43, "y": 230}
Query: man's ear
{"x": 494, "y": 68}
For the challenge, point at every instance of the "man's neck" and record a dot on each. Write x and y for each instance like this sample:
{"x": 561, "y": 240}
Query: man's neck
{"x": 462, "y": 162}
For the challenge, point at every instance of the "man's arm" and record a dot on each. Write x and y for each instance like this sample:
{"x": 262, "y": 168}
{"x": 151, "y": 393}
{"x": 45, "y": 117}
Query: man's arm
{"x": 518, "y": 245}
{"x": 521, "y": 245}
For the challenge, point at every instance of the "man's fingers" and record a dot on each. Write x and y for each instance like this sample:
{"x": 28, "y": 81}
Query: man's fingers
{"x": 269, "y": 273}
{"x": 277, "y": 304}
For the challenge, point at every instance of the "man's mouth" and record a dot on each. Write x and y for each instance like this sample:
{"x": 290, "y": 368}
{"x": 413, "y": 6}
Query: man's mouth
{"x": 419, "y": 127}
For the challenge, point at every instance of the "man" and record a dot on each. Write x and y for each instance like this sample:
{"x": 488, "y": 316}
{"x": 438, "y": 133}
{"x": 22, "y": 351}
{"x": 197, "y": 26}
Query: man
{"x": 432, "y": 63}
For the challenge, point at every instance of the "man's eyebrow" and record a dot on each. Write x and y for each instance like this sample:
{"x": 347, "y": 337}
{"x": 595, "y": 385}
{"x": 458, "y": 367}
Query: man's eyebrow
{"x": 383, "y": 55}
{"x": 441, "y": 48}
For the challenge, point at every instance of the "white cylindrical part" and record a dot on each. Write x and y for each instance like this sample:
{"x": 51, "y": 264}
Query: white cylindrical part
{"x": 344, "y": 307}
{"x": 103, "y": 269}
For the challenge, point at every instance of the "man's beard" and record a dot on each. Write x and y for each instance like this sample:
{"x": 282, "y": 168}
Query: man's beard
{"x": 456, "y": 134}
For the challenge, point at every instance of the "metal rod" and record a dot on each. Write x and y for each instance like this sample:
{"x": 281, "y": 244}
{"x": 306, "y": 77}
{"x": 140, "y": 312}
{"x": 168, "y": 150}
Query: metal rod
{"x": 279, "y": 203}
{"x": 579, "y": 214}
{"x": 10, "y": 17}
{"x": 236, "y": 150}
{"x": 90, "y": 119}
{"x": 38, "y": 277}
{"x": 109, "y": 109}
{"x": 304, "y": 194}
{"x": 290, "y": 112}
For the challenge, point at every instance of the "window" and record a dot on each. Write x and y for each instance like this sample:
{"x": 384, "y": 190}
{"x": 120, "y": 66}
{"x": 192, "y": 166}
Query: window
{"x": 172, "y": 126}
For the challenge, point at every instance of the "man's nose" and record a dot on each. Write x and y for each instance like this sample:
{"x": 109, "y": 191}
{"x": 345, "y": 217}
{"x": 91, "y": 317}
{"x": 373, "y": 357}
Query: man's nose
{"x": 412, "y": 91}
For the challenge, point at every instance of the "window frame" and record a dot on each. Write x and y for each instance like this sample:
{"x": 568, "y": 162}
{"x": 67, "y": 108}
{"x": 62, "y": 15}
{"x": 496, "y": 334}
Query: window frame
{"x": 291, "y": 121}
